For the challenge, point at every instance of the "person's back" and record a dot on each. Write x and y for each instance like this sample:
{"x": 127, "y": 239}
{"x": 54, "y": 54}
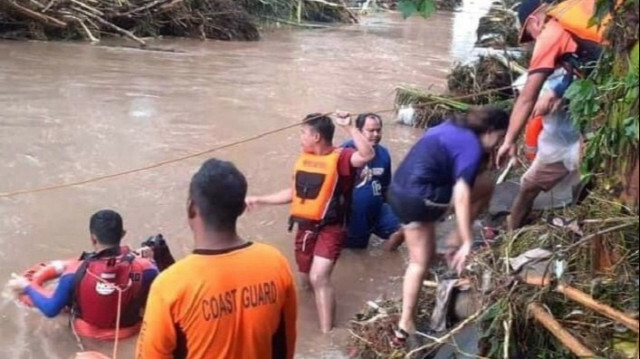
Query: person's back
{"x": 96, "y": 280}
{"x": 229, "y": 304}
{"x": 229, "y": 298}
{"x": 429, "y": 168}
{"x": 90, "y": 285}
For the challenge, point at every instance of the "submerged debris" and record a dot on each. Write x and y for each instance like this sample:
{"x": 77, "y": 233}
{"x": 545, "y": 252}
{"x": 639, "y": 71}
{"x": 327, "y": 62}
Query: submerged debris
{"x": 585, "y": 286}
{"x": 499, "y": 28}
{"x": 487, "y": 80}
{"x": 136, "y": 19}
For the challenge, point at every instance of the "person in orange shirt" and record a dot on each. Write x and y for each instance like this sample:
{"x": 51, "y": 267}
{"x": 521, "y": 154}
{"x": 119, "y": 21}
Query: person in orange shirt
{"x": 230, "y": 298}
{"x": 319, "y": 196}
{"x": 562, "y": 38}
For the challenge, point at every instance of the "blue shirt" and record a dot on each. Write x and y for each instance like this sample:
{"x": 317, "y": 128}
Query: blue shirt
{"x": 373, "y": 180}
{"x": 445, "y": 154}
{"x": 51, "y": 305}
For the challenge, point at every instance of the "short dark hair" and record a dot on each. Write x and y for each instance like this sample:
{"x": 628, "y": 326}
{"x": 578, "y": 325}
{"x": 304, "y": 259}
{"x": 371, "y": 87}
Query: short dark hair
{"x": 484, "y": 119}
{"x": 218, "y": 190}
{"x": 322, "y": 124}
{"x": 361, "y": 120}
{"x": 106, "y": 226}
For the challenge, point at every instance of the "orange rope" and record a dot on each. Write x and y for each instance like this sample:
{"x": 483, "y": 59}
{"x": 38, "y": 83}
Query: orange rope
{"x": 210, "y": 150}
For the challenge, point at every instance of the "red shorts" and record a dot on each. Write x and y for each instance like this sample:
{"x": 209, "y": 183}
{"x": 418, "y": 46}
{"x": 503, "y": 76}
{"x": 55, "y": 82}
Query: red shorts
{"x": 327, "y": 243}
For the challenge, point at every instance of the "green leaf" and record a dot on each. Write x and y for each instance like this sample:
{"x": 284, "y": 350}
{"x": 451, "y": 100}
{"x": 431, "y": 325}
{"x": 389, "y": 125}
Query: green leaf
{"x": 602, "y": 10}
{"x": 427, "y": 8}
{"x": 634, "y": 59}
{"x": 407, "y": 7}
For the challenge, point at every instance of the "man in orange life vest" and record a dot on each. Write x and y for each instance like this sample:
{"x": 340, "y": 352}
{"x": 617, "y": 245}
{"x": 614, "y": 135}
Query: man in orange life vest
{"x": 230, "y": 298}
{"x": 88, "y": 286}
{"x": 562, "y": 38}
{"x": 319, "y": 198}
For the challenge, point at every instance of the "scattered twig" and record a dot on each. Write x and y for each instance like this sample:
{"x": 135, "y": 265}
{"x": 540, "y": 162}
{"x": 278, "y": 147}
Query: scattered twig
{"x": 87, "y": 7}
{"x": 508, "y": 324}
{"x": 365, "y": 341}
{"x": 144, "y": 7}
{"x": 596, "y": 235}
{"x": 448, "y": 336}
{"x": 90, "y": 35}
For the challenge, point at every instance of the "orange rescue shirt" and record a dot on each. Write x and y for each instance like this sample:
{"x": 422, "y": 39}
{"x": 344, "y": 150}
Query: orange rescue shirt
{"x": 238, "y": 303}
{"x": 551, "y": 46}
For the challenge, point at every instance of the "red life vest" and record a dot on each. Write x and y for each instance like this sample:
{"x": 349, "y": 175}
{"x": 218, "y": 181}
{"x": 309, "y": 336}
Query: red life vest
{"x": 96, "y": 296}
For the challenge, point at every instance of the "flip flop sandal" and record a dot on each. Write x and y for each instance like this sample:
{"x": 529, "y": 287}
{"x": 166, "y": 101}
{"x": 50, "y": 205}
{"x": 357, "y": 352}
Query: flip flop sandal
{"x": 400, "y": 337}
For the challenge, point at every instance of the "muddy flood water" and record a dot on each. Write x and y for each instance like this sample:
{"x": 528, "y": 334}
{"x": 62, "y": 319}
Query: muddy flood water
{"x": 69, "y": 112}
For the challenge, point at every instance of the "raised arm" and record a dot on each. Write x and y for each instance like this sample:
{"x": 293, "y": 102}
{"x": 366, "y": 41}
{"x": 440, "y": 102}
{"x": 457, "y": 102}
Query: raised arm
{"x": 364, "y": 151}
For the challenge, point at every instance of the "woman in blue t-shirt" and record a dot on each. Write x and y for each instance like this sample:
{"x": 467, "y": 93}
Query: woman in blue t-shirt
{"x": 441, "y": 170}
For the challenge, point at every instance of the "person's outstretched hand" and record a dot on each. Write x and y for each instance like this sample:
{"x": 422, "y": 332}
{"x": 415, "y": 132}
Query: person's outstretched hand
{"x": 17, "y": 283}
{"x": 506, "y": 151}
{"x": 252, "y": 203}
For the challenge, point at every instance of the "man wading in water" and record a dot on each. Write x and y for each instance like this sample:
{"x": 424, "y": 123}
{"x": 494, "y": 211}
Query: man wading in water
{"x": 320, "y": 203}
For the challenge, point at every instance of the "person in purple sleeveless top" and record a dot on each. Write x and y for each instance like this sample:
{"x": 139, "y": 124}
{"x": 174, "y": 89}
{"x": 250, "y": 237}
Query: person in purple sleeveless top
{"x": 442, "y": 170}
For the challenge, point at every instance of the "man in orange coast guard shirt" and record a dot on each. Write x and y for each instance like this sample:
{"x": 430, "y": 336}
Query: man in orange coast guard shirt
{"x": 230, "y": 298}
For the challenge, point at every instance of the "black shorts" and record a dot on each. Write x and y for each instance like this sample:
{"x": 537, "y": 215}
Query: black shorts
{"x": 411, "y": 209}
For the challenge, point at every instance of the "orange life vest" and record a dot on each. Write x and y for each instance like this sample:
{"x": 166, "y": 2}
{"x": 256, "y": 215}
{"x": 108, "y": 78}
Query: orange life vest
{"x": 315, "y": 181}
{"x": 575, "y": 15}
{"x": 531, "y": 134}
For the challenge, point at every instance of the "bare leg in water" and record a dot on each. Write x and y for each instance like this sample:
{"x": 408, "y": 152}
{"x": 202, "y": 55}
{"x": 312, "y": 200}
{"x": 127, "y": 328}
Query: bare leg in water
{"x": 305, "y": 282}
{"x": 320, "y": 278}
{"x": 421, "y": 243}
{"x": 394, "y": 241}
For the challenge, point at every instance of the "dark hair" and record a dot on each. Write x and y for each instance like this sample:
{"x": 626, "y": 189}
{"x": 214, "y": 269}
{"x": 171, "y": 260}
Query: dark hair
{"x": 484, "y": 119}
{"x": 361, "y": 120}
{"x": 106, "y": 226}
{"x": 218, "y": 190}
{"x": 322, "y": 124}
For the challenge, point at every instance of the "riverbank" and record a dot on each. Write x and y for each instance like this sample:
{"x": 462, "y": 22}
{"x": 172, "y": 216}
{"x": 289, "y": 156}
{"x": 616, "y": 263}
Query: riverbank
{"x": 139, "y": 19}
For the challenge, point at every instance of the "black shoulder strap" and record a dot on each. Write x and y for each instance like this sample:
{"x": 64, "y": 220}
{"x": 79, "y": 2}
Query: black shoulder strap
{"x": 77, "y": 278}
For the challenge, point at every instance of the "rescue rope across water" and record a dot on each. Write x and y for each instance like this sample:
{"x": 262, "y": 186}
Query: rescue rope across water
{"x": 213, "y": 149}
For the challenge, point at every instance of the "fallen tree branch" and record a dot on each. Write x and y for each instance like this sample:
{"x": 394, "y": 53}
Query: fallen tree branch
{"x": 93, "y": 39}
{"x": 144, "y": 7}
{"x": 46, "y": 19}
{"x": 557, "y": 330}
{"x": 110, "y": 25}
{"x": 121, "y": 30}
{"x": 588, "y": 301}
{"x": 87, "y": 7}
